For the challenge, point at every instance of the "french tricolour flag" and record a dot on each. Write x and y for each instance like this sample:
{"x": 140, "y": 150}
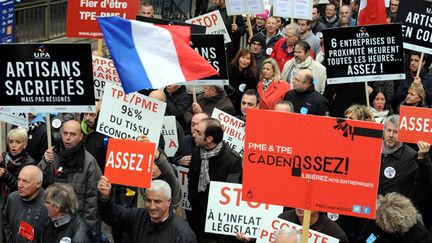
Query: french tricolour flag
{"x": 372, "y": 12}
{"x": 147, "y": 56}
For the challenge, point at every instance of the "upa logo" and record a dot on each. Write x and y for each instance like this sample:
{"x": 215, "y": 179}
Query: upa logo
{"x": 42, "y": 53}
{"x": 362, "y": 33}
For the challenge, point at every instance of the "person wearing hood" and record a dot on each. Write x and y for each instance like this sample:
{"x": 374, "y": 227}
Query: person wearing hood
{"x": 71, "y": 163}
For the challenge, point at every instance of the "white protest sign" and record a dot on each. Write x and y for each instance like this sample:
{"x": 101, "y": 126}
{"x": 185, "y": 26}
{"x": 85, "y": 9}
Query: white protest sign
{"x": 271, "y": 224}
{"x": 299, "y": 9}
{"x": 104, "y": 71}
{"x": 18, "y": 119}
{"x": 214, "y": 24}
{"x": 169, "y": 133}
{"x": 228, "y": 214}
{"x": 127, "y": 116}
{"x": 234, "y": 130}
{"x": 182, "y": 173}
{"x": 240, "y": 7}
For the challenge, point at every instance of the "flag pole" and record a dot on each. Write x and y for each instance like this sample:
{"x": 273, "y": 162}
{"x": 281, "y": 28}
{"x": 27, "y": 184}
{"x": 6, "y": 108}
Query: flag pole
{"x": 367, "y": 95}
{"x": 2, "y": 125}
{"x": 419, "y": 68}
{"x": 48, "y": 125}
{"x": 100, "y": 43}
{"x": 194, "y": 94}
{"x": 305, "y": 226}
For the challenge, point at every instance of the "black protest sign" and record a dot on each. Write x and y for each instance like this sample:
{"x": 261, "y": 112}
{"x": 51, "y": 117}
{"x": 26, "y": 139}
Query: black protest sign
{"x": 364, "y": 53}
{"x": 416, "y": 18}
{"x": 46, "y": 78}
{"x": 212, "y": 48}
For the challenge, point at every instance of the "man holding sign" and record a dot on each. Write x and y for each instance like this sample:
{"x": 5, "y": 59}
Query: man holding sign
{"x": 399, "y": 162}
{"x": 71, "y": 163}
{"x": 155, "y": 223}
{"x": 212, "y": 160}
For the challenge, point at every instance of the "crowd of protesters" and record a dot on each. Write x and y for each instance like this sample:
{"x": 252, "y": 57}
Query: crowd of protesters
{"x": 59, "y": 193}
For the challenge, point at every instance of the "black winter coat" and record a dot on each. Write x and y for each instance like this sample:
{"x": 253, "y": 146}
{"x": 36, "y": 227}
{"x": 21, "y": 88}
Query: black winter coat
{"x": 10, "y": 176}
{"x": 76, "y": 230}
{"x": 226, "y": 163}
{"x": 137, "y": 223}
{"x": 308, "y": 102}
{"x": 177, "y": 104}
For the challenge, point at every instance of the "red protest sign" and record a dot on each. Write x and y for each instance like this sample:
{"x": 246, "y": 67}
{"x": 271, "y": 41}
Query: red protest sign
{"x": 129, "y": 162}
{"x": 81, "y": 17}
{"x": 415, "y": 124}
{"x": 312, "y": 162}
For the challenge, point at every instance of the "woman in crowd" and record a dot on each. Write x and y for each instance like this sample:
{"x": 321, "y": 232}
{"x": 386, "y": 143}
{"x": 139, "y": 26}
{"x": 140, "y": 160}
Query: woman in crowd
{"x": 397, "y": 221}
{"x": 358, "y": 112}
{"x": 12, "y": 161}
{"x": 242, "y": 73}
{"x": 271, "y": 87}
{"x": 415, "y": 97}
{"x": 380, "y": 105}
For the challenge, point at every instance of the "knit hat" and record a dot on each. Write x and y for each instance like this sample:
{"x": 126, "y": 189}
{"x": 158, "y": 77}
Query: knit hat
{"x": 264, "y": 15}
{"x": 259, "y": 38}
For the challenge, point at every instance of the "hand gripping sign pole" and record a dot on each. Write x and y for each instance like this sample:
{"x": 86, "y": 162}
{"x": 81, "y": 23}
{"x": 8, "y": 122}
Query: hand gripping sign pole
{"x": 2, "y": 125}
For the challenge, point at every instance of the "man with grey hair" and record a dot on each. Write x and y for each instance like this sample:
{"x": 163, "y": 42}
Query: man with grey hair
{"x": 155, "y": 223}
{"x": 406, "y": 171}
{"x": 345, "y": 11}
{"x": 25, "y": 215}
{"x": 399, "y": 162}
{"x": 284, "y": 106}
{"x": 65, "y": 225}
{"x": 283, "y": 50}
{"x": 214, "y": 96}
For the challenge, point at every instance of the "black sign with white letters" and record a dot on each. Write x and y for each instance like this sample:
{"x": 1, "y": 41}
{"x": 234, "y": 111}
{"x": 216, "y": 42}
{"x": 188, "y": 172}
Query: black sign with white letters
{"x": 46, "y": 78}
{"x": 364, "y": 53}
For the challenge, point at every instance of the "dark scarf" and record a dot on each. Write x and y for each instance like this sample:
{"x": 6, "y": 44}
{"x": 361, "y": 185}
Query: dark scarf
{"x": 15, "y": 159}
{"x": 72, "y": 160}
